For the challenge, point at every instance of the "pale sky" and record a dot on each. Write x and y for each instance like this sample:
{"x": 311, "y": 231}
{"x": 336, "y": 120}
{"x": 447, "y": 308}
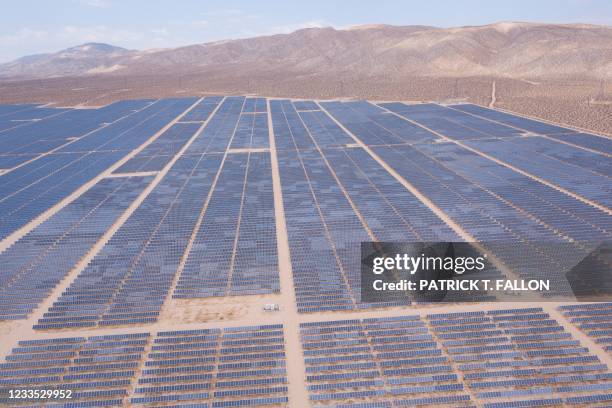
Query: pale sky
{"x": 30, "y": 27}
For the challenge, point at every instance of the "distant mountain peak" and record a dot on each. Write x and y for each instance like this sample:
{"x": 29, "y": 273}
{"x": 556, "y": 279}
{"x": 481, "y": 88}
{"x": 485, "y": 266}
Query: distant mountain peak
{"x": 83, "y": 59}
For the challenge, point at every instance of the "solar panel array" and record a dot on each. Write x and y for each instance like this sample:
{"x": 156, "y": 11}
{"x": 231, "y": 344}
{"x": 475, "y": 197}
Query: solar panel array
{"x": 536, "y": 195}
{"x": 252, "y": 132}
{"x": 451, "y": 123}
{"x": 519, "y": 122}
{"x": 234, "y": 249}
{"x": 305, "y": 105}
{"x": 387, "y": 361}
{"x": 229, "y": 367}
{"x": 289, "y": 130}
{"x": 576, "y": 170}
{"x": 581, "y": 222}
{"x": 255, "y": 263}
{"x": 219, "y": 131}
{"x": 568, "y": 176}
{"x": 39, "y": 135}
{"x": 374, "y": 126}
{"x": 336, "y": 194}
{"x": 130, "y": 132}
{"x": 511, "y": 213}
{"x": 156, "y": 155}
{"x": 334, "y": 198}
{"x": 34, "y": 187}
{"x": 519, "y": 357}
{"x": 594, "y": 319}
{"x": 585, "y": 140}
{"x": 255, "y": 105}
{"x": 500, "y": 358}
{"x": 202, "y": 111}
{"x": 233, "y": 367}
{"x": 128, "y": 280}
{"x": 97, "y": 370}
{"x": 36, "y": 263}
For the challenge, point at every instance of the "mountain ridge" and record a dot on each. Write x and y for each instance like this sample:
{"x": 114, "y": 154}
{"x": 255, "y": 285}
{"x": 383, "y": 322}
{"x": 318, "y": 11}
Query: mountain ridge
{"x": 506, "y": 49}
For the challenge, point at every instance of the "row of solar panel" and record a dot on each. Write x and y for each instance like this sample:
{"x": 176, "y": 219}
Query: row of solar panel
{"x": 130, "y": 277}
{"x": 244, "y": 382}
{"x": 156, "y": 155}
{"x": 203, "y": 110}
{"x": 37, "y": 130}
{"x": 376, "y": 371}
{"x": 572, "y": 168}
{"x": 234, "y": 250}
{"x": 254, "y": 369}
{"x": 334, "y": 174}
{"x": 36, "y": 263}
{"x": 251, "y": 131}
{"x": 594, "y": 319}
{"x": 38, "y": 185}
{"x": 366, "y": 380}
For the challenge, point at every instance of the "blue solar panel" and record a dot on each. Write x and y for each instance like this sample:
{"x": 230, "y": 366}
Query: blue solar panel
{"x": 125, "y": 269}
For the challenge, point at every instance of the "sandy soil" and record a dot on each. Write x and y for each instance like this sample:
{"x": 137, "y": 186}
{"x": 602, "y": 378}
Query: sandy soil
{"x": 228, "y": 308}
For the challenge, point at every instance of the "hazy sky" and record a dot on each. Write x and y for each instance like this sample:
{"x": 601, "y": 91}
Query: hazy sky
{"x": 29, "y": 27}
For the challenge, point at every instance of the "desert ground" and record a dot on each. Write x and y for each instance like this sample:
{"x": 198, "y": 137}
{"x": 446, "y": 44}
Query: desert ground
{"x": 577, "y": 102}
